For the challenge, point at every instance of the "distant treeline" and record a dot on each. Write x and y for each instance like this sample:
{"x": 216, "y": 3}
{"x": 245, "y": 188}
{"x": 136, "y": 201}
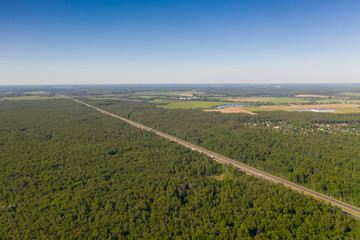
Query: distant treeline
{"x": 231, "y": 90}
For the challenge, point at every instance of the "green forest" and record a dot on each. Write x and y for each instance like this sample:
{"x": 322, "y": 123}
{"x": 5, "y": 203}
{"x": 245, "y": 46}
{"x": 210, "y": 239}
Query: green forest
{"x": 69, "y": 172}
{"x": 325, "y": 162}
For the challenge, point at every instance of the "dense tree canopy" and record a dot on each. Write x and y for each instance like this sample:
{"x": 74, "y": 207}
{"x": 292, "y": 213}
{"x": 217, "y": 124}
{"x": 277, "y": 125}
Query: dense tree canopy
{"x": 329, "y": 163}
{"x": 67, "y": 171}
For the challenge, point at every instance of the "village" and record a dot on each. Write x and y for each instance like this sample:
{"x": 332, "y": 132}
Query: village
{"x": 312, "y": 128}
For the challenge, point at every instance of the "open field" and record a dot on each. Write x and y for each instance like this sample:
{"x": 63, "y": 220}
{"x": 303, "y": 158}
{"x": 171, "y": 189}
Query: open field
{"x": 298, "y": 99}
{"x": 36, "y": 92}
{"x": 310, "y": 96}
{"x": 26, "y": 98}
{"x": 152, "y": 93}
{"x": 338, "y": 101}
{"x": 105, "y": 98}
{"x": 339, "y": 108}
{"x": 279, "y": 100}
{"x": 119, "y": 99}
{"x": 267, "y": 109}
{"x": 345, "y": 105}
{"x": 188, "y": 94}
{"x": 163, "y": 101}
{"x": 286, "y": 101}
{"x": 231, "y": 110}
{"x": 156, "y": 93}
{"x": 251, "y": 99}
{"x": 353, "y": 94}
{"x": 192, "y": 105}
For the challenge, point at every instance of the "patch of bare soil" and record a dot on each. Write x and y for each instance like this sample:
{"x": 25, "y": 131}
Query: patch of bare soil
{"x": 231, "y": 110}
{"x": 185, "y": 94}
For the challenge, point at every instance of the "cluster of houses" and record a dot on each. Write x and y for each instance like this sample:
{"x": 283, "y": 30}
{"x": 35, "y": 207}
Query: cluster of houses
{"x": 315, "y": 128}
{"x": 189, "y": 98}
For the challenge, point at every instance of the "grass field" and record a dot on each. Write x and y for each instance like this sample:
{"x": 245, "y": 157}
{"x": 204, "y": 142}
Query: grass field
{"x": 246, "y": 100}
{"x": 285, "y": 101}
{"x": 231, "y": 110}
{"x": 149, "y": 97}
{"x": 163, "y": 101}
{"x": 347, "y": 110}
{"x": 155, "y": 93}
{"x": 337, "y": 100}
{"x": 269, "y": 109}
{"x": 36, "y": 93}
{"x": 310, "y": 96}
{"x": 26, "y": 98}
{"x": 353, "y": 94}
{"x": 192, "y": 105}
{"x": 281, "y": 101}
{"x": 106, "y": 98}
{"x": 339, "y": 108}
{"x": 185, "y": 94}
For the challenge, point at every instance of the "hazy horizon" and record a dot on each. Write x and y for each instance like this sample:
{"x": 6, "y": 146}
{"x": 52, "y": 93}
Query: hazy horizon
{"x": 179, "y": 42}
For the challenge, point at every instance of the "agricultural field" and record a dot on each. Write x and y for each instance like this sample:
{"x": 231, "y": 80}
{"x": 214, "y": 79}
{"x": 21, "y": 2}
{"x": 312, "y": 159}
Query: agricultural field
{"x": 247, "y": 100}
{"x": 341, "y": 102}
{"x": 310, "y": 96}
{"x": 338, "y": 100}
{"x": 273, "y": 101}
{"x": 163, "y": 101}
{"x": 152, "y": 96}
{"x": 36, "y": 93}
{"x": 232, "y": 110}
{"x": 351, "y": 94}
{"x": 339, "y": 108}
{"x": 175, "y": 93}
{"x": 192, "y": 105}
{"x": 35, "y": 97}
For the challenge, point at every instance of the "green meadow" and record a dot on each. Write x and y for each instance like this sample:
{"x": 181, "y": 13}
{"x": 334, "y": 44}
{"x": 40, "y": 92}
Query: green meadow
{"x": 193, "y": 105}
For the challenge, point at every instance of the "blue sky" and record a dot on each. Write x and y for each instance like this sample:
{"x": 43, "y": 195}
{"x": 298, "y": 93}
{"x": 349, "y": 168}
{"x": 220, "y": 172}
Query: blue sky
{"x": 208, "y": 41}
